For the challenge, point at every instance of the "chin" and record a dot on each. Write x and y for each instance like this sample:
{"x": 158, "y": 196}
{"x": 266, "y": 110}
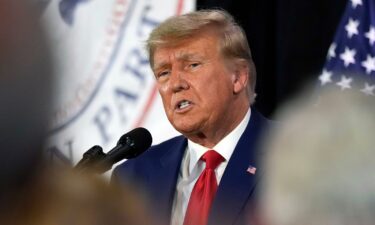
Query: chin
{"x": 187, "y": 129}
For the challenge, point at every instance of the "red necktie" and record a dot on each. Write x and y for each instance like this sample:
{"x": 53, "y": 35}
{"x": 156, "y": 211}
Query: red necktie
{"x": 204, "y": 191}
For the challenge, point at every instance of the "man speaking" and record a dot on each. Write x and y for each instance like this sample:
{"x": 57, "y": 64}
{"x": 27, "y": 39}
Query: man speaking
{"x": 206, "y": 78}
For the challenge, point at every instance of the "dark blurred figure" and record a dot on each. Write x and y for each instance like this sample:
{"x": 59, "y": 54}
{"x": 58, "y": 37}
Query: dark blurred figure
{"x": 65, "y": 197}
{"x": 320, "y": 166}
{"x": 32, "y": 191}
{"x": 25, "y": 76}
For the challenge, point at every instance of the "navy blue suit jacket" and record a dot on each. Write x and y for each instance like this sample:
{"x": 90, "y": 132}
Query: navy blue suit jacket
{"x": 156, "y": 172}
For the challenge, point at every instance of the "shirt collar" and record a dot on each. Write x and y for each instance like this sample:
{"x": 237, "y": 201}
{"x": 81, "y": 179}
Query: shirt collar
{"x": 225, "y": 147}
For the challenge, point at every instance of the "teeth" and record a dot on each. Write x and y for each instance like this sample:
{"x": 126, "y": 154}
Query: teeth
{"x": 183, "y": 104}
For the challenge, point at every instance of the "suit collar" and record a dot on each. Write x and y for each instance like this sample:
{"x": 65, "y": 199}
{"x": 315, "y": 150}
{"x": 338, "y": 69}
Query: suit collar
{"x": 174, "y": 153}
{"x": 237, "y": 184}
{"x": 165, "y": 175}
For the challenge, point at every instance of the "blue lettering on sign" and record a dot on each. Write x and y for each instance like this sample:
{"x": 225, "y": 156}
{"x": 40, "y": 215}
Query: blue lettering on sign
{"x": 67, "y": 9}
{"x": 134, "y": 64}
{"x": 102, "y": 119}
{"x": 135, "y": 60}
{"x": 146, "y": 21}
{"x": 122, "y": 98}
{"x": 104, "y": 116}
{"x": 56, "y": 155}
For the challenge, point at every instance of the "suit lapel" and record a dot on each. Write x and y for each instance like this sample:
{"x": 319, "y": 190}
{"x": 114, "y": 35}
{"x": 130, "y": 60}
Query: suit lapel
{"x": 237, "y": 184}
{"x": 164, "y": 178}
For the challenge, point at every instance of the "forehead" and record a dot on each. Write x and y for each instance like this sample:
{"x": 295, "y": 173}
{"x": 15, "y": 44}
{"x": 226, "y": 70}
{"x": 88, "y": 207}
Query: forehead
{"x": 195, "y": 47}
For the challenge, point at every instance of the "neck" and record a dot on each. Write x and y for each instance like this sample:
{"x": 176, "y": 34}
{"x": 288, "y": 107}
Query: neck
{"x": 211, "y": 137}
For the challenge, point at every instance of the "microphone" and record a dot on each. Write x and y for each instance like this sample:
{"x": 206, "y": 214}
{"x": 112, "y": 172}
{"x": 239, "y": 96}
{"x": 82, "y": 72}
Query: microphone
{"x": 130, "y": 145}
{"x": 91, "y": 156}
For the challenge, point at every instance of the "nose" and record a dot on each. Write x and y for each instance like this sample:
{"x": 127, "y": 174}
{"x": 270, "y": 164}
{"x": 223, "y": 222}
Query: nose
{"x": 178, "y": 82}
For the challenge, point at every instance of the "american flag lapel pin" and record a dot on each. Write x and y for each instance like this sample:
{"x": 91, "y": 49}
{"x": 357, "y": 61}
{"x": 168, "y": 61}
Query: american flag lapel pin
{"x": 251, "y": 169}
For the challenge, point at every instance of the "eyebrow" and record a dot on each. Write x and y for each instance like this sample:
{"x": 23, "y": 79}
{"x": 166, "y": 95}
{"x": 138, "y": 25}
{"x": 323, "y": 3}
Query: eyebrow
{"x": 189, "y": 56}
{"x": 181, "y": 57}
{"x": 159, "y": 66}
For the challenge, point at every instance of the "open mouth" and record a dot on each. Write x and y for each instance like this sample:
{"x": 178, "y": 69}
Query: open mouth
{"x": 183, "y": 104}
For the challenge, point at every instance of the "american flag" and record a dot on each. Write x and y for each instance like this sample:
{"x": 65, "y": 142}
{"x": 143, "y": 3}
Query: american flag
{"x": 251, "y": 169}
{"x": 350, "y": 63}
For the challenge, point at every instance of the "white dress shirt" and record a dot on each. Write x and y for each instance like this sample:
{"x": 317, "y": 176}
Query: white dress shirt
{"x": 192, "y": 167}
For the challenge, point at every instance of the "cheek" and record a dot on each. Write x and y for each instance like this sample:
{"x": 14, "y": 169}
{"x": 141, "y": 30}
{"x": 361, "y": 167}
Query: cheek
{"x": 162, "y": 88}
{"x": 164, "y": 96}
{"x": 219, "y": 94}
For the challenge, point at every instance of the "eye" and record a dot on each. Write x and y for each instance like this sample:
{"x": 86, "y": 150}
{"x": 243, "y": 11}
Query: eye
{"x": 194, "y": 65}
{"x": 162, "y": 73}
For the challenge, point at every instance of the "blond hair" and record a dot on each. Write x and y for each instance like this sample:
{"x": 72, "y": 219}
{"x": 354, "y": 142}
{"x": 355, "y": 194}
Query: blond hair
{"x": 233, "y": 42}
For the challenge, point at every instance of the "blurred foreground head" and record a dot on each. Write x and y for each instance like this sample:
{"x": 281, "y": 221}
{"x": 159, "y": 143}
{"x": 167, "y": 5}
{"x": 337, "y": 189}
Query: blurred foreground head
{"x": 320, "y": 166}
{"x": 31, "y": 191}
{"x": 25, "y": 74}
{"x": 67, "y": 197}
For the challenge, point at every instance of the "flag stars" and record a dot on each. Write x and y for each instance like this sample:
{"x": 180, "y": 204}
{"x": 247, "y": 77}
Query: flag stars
{"x": 348, "y": 56}
{"x": 355, "y": 3}
{"x": 332, "y": 51}
{"x": 368, "y": 89}
{"x": 345, "y": 82}
{"x": 371, "y": 35}
{"x": 351, "y": 54}
{"x": 352, "y": 27}
{"x": 325, "y": 77}
{"x": 369, "y": 64}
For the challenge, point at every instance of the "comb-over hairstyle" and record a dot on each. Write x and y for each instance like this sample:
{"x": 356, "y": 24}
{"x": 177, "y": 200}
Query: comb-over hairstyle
{"x": 233, "y": 43}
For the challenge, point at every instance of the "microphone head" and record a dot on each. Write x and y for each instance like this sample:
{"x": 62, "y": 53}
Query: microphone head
{"x": 139, "y": 139}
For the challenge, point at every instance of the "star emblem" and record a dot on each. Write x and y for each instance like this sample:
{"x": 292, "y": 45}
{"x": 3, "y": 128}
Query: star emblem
{"x": 332, "y": 51}
{"x": 369, "y": 64}
{"x": 325, "y": 77}
{"x": 352, "y": 27}
{"x": 345, "y": 82}
{"x": 368, "y": 89}
{"x": 348, "y": 56}
{"x": 371, "y": 35}
{"x": 355, "y": 3}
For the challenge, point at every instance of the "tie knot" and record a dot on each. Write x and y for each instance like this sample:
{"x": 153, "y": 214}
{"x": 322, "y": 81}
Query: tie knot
{"x": 212, "y": 159}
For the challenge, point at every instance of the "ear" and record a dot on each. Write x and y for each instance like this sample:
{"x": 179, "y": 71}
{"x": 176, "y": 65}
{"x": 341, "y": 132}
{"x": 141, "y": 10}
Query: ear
{"x": 240, "y": 77}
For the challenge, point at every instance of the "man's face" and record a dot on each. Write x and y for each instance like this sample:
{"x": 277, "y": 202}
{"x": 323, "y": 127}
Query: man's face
{"x": 196, "y": 85}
